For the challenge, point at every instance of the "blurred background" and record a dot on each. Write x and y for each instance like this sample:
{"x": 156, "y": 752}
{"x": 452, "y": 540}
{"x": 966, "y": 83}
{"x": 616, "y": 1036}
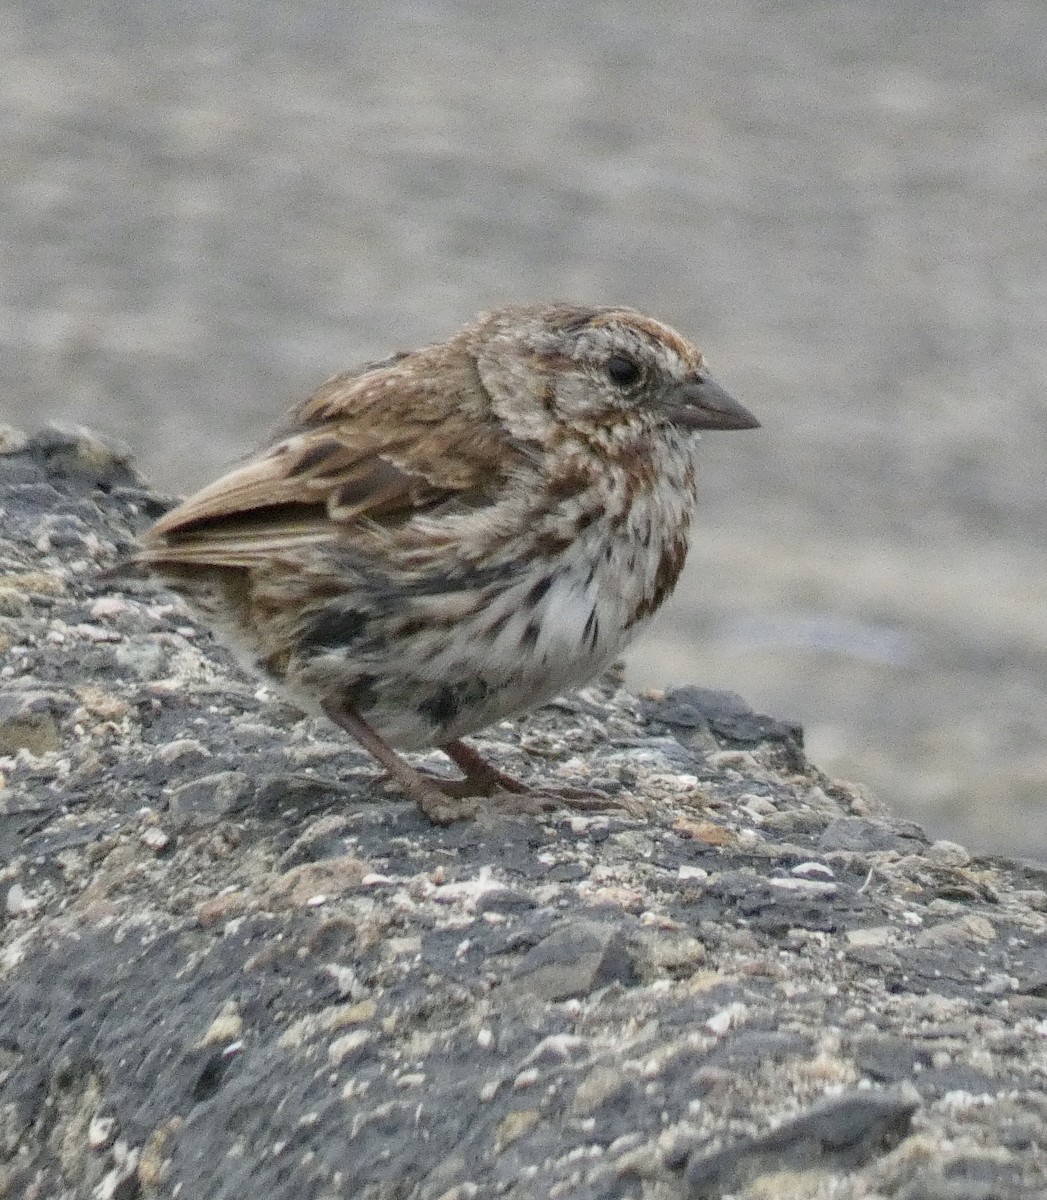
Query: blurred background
{"x": 206, "y": 208}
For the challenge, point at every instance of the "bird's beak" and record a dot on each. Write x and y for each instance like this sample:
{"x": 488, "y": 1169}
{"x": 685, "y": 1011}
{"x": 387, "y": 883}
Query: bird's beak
{"x": 702, "y": 404}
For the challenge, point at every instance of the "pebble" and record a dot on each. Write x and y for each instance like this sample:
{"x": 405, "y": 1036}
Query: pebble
{"x": 170, "y": 752}
{"x": 342, "y": 1047}
{"x": 19, "y": 903}
{"x": 158, "y": 840}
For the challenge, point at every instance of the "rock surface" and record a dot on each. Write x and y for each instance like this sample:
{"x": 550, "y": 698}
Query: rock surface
{"x": 232, "y": 963}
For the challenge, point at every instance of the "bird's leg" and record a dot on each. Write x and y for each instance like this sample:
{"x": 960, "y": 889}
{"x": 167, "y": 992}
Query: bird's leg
{"x": 436, "y": 804}
{"x": 444, "y": 801}
{"x": 481, "y": 779}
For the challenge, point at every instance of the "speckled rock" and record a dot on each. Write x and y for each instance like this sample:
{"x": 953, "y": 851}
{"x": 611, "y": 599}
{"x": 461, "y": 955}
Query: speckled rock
{"x": 234, "y": 962}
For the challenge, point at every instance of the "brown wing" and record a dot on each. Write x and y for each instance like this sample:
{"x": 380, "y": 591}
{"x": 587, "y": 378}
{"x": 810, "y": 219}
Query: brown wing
{"x": 380, "y": 445}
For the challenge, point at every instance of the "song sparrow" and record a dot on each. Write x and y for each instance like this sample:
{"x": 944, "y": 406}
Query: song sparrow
{"x": 452, "y": 535}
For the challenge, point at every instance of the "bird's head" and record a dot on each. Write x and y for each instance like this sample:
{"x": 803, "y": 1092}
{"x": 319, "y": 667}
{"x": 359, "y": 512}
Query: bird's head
{"x": 562, "y": 366}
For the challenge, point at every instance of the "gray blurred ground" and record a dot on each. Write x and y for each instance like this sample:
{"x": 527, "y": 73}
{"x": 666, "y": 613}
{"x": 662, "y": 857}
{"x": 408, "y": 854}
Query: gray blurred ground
{"x": 206, "y": 209}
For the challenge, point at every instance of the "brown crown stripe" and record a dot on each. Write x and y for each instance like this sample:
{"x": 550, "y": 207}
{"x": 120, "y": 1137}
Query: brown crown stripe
{"x": 655, "y": 330}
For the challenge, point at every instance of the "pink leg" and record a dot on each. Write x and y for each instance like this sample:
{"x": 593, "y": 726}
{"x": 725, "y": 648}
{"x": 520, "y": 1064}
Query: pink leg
{"x": 480, "y": 776}
{"x": 426, "y": 793}
{"x": 446, "y": 800}
{"x": 481, "y": 779}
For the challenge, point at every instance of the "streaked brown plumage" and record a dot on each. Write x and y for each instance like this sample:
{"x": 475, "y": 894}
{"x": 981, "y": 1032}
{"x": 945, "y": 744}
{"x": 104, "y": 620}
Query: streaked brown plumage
{"x": 453, "y": 535}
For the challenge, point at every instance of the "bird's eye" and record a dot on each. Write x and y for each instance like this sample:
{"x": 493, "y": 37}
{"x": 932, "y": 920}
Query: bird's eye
{"x": 622, "y": 370}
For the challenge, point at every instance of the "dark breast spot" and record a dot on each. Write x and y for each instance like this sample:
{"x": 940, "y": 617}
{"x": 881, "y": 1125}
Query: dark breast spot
{"x": 333, "y": 628}
{"x": 539, "y": 590}
{"x": 550, "y": 544}
{"x": 496, "y": 627}
{"x": 587, "y": 517}
{"x": 619, "y": 520}
{"x": 361, "y": 695}
{"x": 529, "y": 639}
{"x": 442, "y": 706}
{"x": 274, "y": 664}
{"x": 412, "y": 626}
{"x": 669, "y": 567}
{"x": 450, "y": 700}
{"x": 568, "y": 482}
{"x": 591, "y": 633}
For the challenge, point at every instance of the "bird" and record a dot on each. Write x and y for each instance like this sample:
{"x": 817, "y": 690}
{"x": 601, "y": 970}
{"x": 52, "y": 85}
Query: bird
{"x": 453, "y": 535}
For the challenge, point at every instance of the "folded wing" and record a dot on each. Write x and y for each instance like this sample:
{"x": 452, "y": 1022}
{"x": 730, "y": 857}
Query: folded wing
{"x": 371, "y": 448}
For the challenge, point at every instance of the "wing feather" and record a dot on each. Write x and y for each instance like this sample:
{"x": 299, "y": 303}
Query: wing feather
{"x": 415, "y": 434}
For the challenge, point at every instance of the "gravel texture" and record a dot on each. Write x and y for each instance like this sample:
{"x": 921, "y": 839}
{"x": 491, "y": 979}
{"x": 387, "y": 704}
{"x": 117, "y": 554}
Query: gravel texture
{"x": 232, "y": 963}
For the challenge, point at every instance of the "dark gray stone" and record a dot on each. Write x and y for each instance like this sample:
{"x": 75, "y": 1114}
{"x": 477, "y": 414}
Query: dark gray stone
{"x": 30, "y": 721}
{"x": 888, "y": 1059}
{"x": 575, "y": 960}
{"x": 727, "y": 717}
{"x": 212, "y": 797}
{"x": 864, "y": 837}
{"x": 843, "y": 1132}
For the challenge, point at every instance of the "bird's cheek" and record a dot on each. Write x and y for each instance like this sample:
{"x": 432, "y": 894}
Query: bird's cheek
{"x": 602, "y": 408}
